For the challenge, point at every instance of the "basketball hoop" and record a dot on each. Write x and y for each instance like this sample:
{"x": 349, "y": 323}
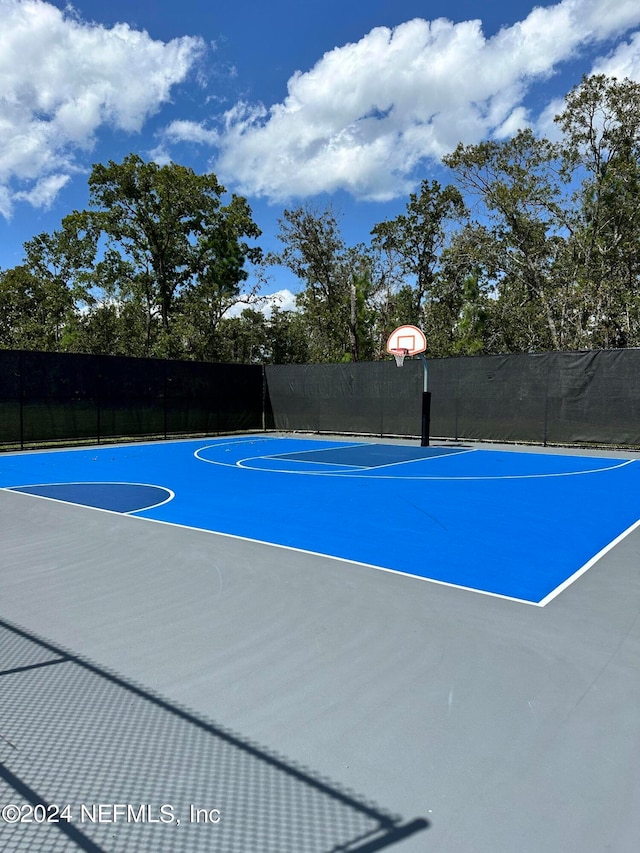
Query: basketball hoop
{"x": 410, "y": 340}
{"x": 404, "y": 341}
{"x": 400, "y": 355}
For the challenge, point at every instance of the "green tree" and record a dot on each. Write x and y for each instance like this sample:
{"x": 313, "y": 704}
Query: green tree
{"x": 180, "y": 247}
{"x": 220, "y": 272}
{"x": 288, "y": 338}
{"x": 463, "y": 295}
{"x": 517, "y": 181}
{"x": 245, "y": 339}
{"x": 109, "y": 329}
{"x": 412, "y": 244}
{"x": 601, "y": 155}
{"x": 362, "y": 313}
{"x": 30, "y": 317}
{"x": 336, "y": 278}
{"x": 50, "y": 285}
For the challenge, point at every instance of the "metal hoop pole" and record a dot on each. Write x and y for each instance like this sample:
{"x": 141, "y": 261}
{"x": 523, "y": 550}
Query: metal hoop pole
{"x": 425, "y": 372}
{"x": 426, "y": 403}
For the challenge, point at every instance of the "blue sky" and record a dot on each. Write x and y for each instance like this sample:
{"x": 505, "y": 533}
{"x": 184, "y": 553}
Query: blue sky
{"x": 344, "y": 102}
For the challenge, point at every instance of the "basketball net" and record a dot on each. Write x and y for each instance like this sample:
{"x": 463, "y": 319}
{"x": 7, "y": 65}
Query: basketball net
{"x": 399, "y": 355}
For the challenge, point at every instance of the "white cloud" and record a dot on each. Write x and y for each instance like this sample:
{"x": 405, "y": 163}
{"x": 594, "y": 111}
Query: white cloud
{"x": 44, "y": 192}
{"x": 367, "y": 113}
{"x": 5, "y": 202}
{"x": 181, "y": 131}
{"x": 62, "y": 79}
{"x": 190, "y": 131}
{"x": 623, "y": 62}
{"x": 283, "y": 299}
{"x": 514, "y": 122}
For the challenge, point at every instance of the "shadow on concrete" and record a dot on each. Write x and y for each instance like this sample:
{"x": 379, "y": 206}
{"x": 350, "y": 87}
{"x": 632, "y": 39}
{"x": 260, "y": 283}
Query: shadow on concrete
{"x": 138, "y": 772}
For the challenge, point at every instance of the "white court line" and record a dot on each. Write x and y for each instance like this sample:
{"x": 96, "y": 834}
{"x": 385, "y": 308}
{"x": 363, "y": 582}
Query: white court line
{"x": 14, "y": 489}
{"x": 232, "y": 443}
{"x": 351, "y": 562}
{"x": 346, "y": 473}
{"x": 323, "y": 449}
{"x": 300, "y": 461}
{"x": 279, "y": 458}
{"x": 241, "y": 463}
{"x": 363, "y": 467}
{"x": 170, "y": 492}
{"x": 488, "y": 476}
{"x": 542, "y": 603}
{"x": 268, "y": 544}
{"x": 121, "y": 445}
{"x": 423, "y": 459}
{"x": 574, "y": 577}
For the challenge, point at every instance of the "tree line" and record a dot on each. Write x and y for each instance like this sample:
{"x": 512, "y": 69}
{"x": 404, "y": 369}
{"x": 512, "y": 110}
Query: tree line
{"x": 533, "y": 246}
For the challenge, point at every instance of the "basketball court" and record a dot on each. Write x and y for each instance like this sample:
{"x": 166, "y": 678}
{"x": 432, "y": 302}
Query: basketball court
{"x": 520, "y": 525}
{"x": 294, "y": 643}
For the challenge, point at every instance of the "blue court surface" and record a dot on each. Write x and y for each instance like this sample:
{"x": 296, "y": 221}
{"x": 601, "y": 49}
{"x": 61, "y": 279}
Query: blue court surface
{"x": 520, "y": 525}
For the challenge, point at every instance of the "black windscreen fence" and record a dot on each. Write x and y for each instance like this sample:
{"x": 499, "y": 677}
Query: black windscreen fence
{"x": 51, "y": 397}
{"x": 546, "y": 398}
{"x": 363, "y": 397}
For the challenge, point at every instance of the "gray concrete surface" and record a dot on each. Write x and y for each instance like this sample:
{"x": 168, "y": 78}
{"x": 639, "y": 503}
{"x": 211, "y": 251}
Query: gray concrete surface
{"x": 508, "y": 728}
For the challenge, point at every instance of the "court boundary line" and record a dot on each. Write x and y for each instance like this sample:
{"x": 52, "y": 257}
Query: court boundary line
{"x": 542, "y": 603}
{"x": 170, "y": 492}
{"x": 117, "y": 444}
{"x": 589, "y": 564}
{"x": 293, "y": 548}
{"x": 352, "y": 562}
